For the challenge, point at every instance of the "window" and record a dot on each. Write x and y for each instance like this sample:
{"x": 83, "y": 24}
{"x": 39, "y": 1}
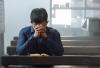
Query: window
{"x": 69, "y": 15}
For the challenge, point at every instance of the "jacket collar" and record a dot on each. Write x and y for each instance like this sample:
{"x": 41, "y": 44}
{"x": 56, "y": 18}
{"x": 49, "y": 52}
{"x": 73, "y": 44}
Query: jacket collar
{"x": 32, "y": 29}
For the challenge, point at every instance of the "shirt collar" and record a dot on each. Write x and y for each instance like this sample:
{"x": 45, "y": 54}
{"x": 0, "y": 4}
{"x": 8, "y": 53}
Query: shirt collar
{"x": 32, "y": 29}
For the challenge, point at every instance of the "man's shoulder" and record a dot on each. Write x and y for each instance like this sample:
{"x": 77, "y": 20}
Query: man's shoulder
{"x": 26, "y": 29}
{"x": 52, "y": 30}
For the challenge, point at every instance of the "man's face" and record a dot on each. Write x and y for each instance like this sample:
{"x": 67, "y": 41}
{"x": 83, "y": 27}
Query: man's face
{"x": 43, "y": 24}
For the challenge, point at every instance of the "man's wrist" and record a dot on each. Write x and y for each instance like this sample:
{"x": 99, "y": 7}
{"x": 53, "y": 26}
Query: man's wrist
{"x": 45, "y": 38}
{"x": 34, "y": 36}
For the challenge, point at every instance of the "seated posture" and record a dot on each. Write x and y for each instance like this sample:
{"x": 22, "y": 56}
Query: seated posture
{"x": 39, "y": 38}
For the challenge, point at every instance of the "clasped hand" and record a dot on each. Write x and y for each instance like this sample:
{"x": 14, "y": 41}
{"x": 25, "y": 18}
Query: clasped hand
{"x": 40, "y": 31}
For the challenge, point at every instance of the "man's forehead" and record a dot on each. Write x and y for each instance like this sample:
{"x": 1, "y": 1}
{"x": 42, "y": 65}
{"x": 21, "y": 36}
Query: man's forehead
{"x": 38, "y": 23}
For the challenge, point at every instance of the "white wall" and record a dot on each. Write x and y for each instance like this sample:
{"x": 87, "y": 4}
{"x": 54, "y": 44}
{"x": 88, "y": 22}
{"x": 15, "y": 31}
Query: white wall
{"x": 17, "y": 15}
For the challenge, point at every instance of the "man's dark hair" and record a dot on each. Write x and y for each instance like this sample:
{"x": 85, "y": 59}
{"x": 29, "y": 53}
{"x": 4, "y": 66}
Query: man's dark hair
{"x": 38, "y": 15}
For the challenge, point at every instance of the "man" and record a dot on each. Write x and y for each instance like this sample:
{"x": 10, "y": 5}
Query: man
{"x": 39, "y": 38}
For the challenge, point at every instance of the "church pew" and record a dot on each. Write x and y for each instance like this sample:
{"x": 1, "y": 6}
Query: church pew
{"x": 83, "y": 60}
{"x": 70, "y": 47}
{"x": 68, "y": 50}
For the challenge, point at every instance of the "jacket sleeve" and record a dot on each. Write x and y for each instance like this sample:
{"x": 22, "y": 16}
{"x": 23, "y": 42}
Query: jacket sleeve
{"x": 54, "y": 44}
{"x": 23, "y": 44}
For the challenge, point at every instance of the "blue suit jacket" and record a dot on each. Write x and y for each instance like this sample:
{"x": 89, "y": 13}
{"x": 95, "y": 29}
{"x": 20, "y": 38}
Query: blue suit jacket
{"x": 27, "y": 44}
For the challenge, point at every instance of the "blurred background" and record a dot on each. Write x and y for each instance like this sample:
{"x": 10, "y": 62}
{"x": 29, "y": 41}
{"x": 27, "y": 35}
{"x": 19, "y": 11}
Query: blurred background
{"x": 74, "y": 19}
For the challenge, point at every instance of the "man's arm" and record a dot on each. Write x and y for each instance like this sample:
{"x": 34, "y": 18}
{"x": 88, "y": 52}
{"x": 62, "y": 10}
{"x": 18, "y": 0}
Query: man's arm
{"x": 23, "y": 44}
{"x": 54, "y": 44}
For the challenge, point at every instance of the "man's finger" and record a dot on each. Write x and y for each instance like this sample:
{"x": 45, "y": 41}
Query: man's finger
{"x": 40, "y": 29}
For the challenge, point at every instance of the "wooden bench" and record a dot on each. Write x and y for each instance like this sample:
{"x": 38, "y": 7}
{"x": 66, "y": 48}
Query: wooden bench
{"x": 71, "y": 47}
{"x": 81, "y": 60}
